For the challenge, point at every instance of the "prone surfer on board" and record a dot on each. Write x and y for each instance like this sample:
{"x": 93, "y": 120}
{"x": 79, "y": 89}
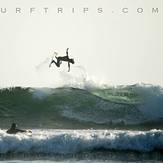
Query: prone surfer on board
{"x": 63, "y": 58}
{"x": 14, "y": 129}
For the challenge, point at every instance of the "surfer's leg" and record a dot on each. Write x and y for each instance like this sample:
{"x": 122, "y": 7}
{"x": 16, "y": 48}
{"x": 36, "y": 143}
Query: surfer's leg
{"x": 68, "y": 66}
{"x": 51, "y": 63}
{"x": 56, "y": 63}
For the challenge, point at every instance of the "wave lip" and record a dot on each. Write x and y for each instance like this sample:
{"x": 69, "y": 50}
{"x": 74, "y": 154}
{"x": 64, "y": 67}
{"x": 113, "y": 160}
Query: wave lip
{"x": 74, "y": 141}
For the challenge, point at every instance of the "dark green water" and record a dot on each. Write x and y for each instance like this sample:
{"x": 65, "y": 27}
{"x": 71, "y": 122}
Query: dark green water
{"x": 124, "y": 107}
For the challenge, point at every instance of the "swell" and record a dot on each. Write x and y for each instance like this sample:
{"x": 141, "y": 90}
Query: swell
{"x": 123, "y": 106}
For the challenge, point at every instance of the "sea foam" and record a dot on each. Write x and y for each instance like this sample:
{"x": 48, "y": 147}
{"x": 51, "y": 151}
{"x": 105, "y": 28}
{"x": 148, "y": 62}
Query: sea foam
{"x": 74, "y": 141}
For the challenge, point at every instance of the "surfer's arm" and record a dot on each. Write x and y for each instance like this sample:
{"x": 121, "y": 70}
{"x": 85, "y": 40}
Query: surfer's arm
{"x": 19, "y": 130}
{"x": 68, "y": 66}
{"x": 67, "y": 52}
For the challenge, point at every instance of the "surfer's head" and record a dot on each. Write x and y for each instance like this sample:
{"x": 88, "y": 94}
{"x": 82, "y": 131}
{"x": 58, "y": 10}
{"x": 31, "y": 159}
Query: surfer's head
{"x": 13, "y": 126}
{"x": 72, "y": 61}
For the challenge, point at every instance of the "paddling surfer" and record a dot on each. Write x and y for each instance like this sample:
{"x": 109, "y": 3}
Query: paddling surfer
{"x": 14, "y": 129}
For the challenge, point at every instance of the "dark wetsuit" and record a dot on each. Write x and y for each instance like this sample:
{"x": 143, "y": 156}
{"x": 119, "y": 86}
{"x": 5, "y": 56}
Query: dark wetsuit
{"x": 14, "y": 130}
{"x": 58, "y": 63}
{"x": 64, "y": 58}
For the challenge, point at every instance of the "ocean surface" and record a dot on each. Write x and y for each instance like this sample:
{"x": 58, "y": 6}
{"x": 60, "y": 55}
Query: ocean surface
{"x": 91, "y": 124}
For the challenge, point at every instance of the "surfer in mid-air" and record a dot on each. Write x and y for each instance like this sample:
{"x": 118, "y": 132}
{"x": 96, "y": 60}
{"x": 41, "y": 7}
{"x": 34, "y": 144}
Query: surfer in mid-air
{"x": 13, "y": 129}
{"x": 63, "y": 58}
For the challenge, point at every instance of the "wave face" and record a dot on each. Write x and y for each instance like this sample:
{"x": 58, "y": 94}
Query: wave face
{"x": 75, "y": 141}
{"x": 67, "y": 107}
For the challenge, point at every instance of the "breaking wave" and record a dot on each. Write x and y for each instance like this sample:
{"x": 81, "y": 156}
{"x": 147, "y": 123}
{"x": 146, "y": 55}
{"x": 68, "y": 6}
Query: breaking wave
{"x": 96, "y": 107}
{"x": 75, "y": 141}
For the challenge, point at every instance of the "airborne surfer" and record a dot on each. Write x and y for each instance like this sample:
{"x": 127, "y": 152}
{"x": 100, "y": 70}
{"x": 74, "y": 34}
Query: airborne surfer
{"x": 63, "y": 58}
{"x": 14, "y": 129}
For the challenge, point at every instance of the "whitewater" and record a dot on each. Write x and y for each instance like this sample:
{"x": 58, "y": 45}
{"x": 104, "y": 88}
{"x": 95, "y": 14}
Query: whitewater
{"x": 74, "y": 141}
{"x": 51, "y": 145}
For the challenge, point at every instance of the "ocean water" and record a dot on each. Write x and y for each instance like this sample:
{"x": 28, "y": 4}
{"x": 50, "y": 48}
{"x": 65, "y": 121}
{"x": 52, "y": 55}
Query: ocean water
{"x": 82, "y": 145}
{"x": 91, "y": 124}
